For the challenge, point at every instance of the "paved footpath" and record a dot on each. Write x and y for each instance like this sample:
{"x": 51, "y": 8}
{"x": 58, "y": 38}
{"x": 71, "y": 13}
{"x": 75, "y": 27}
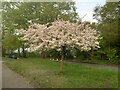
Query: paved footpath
{"x": 96, "y": 65}
{"x": 11, "y": 79}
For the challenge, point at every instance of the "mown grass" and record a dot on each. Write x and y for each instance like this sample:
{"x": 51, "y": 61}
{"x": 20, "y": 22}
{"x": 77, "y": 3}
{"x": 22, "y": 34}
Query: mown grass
{"x": 45, "y": 74}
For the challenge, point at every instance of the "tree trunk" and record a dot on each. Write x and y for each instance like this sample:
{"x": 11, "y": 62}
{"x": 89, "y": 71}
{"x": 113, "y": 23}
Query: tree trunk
{"x": 61, "y": 64}
{"x": 3, "y": 52}
{"x": 19, "y": 52}
{"x": 62, "y": 58}
{"x": 23, "y": 51}
{"x": 11, "y": 52}
{"x": 109, "y": 40}
{"x": 92, "y": 55}
{"x": 43, "y": 54}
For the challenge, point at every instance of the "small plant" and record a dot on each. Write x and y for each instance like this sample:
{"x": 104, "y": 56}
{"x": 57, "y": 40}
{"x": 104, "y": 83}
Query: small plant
{"x": 111, "y": 54}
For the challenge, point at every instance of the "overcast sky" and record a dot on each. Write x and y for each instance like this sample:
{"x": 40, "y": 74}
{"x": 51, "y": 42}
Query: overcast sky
{"x": 86, "y": 7}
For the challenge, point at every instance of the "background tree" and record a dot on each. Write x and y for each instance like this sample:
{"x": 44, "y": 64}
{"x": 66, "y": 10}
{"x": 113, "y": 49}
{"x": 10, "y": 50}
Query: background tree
{"x": 107, "y": 17}
{"x": 11, "y": 42}
{"x": 16, "y": 14}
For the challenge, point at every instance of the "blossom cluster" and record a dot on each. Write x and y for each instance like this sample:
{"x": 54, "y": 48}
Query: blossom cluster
{"x": 60, "y": 33}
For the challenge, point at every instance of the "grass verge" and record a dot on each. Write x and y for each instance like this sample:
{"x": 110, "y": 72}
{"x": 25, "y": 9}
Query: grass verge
{"x": 44, "y": 73}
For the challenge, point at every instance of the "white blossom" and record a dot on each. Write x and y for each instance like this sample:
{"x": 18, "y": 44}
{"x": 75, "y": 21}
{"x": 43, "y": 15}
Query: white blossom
{"x": 40, "y": 37}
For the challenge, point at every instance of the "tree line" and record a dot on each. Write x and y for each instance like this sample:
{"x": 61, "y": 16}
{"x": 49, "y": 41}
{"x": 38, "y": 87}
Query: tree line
{"x": 17, "y": 14}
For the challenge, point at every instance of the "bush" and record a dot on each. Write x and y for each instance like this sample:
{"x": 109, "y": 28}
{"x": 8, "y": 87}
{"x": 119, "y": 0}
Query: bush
{"x": 53, "y": 53}
{"x": 68, "y": 55}
{"x": 100, "y": 55}
{"x": 111, "y": 53}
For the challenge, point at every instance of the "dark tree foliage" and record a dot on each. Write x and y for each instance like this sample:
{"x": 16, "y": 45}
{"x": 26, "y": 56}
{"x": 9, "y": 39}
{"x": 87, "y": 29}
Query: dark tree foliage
{"x": 108, "y": 17}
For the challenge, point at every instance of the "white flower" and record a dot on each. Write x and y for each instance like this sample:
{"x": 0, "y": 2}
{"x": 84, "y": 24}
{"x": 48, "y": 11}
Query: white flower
{"x": 60, "y": 33}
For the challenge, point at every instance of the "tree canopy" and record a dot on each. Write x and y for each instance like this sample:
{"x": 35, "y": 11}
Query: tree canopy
{"x": 60, "y": 33}
{"x": 108, "y": 18}
{"x": 10, "y": 41}
{"x": 16, "y": 14}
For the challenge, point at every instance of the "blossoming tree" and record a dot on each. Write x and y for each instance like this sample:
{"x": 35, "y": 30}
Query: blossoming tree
{"x": 61, "y": 35}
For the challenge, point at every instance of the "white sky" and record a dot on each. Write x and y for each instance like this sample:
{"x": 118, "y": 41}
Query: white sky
{"x": 86, "y": 7}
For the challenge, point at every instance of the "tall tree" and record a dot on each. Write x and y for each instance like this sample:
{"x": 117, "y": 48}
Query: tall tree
{"x": 108, "y": 23}
{"x": 16, "y": 14}
{"x": 107, "y": 17}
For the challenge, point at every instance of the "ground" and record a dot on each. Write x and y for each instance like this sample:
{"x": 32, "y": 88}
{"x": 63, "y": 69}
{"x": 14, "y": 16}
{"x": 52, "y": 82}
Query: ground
{"x": 11, "y": 79}
{"x": 45, "y": 73}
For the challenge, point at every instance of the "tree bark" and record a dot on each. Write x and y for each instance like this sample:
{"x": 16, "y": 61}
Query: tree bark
{"x": 61, "y": 64}
{"x": 109, "y": 40}
{"x": 92, "y": 55}
{"x": 62, "y": 58}
{"x": 3, "y": 52}
{"x": 11, "y": 52}
{"x": 19, "y": 52}
{"x": 23, "y": 51}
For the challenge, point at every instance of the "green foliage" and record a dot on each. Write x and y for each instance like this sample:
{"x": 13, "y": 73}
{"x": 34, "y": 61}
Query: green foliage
{"x": 111, "y": 53}
{"x": 109, "y": 32}
{"x": 106, "y": 13}
{"x": 53, "y": 53}
{"x": 10, "y": 41}
{"x": 107, "y": 17}
{"x": 108, "y": 22}
{"x": 16, "y": 14}
{"x": 68, "y": 55}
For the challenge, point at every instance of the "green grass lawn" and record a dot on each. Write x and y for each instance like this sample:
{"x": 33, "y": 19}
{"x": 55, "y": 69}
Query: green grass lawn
{"x": 45, "y": 74}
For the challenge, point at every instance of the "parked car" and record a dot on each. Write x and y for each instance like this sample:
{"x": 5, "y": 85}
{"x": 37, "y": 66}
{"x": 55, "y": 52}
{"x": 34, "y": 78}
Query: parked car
{"x": 12, "y": 56}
